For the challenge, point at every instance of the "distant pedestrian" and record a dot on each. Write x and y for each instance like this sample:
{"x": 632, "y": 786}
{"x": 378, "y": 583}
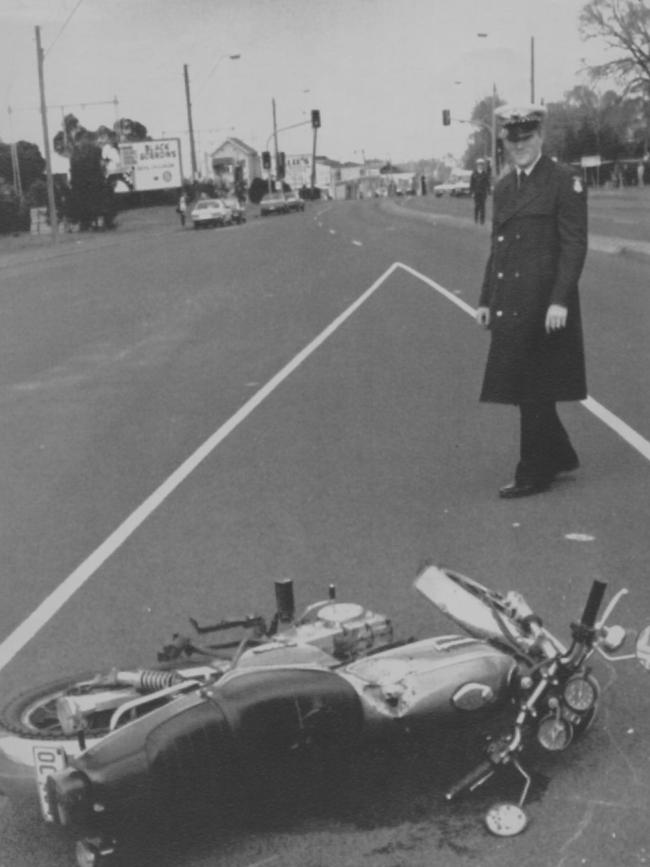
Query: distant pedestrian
{"x": 529, "y": 300}
{"x": 479, "y": 187}
{"x": 181, "y": 208}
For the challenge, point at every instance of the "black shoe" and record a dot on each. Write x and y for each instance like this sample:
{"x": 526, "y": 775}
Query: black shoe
{"x": 522, "y": 489}
{"x": 567, "y": 466}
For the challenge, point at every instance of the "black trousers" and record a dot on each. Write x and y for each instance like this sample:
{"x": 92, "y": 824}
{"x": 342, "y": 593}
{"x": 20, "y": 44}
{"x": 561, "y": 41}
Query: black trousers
{"x": 545, "y": 445}
{"x": 479, "y": 209}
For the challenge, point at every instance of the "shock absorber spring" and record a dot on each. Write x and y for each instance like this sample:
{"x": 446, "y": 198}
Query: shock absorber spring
{"x": 152, "y": 680}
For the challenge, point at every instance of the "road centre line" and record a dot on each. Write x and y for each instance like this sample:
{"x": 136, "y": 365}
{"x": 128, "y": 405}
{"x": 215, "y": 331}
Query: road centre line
{"x": 631, "y": 437}
{"x": 617, "y": 424}
{"x": 50, "y": 606}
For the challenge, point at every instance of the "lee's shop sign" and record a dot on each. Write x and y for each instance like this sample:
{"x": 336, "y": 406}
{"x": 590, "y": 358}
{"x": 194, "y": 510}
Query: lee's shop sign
{"x": 152, "y": 165}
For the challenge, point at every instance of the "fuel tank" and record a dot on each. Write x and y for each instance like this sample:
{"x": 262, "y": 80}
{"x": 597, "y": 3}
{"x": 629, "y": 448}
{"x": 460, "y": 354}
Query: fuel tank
{"x": 430, "y": 681}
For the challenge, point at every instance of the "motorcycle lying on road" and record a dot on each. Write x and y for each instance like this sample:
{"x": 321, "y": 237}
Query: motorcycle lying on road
{"x": 104, "y": 751}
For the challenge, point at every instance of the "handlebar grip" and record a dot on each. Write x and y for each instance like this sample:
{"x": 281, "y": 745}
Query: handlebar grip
{"x": 593, "y": 604}
{"x": 473, "y": 778}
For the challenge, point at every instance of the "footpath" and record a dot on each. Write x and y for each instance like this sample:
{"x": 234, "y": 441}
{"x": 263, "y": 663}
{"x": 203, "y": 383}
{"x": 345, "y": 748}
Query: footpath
{"x": 635, "y": 205}
{"x": 24, "y": 247}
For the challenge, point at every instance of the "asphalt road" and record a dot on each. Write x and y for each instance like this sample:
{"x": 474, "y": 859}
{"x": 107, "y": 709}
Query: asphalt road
{"x": 333, "y": 388}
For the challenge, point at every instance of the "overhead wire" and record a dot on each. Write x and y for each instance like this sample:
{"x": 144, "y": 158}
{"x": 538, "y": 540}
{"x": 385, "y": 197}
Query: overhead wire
{"x": 63, "y": 27}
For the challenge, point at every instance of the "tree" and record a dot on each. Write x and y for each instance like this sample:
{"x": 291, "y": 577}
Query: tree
{"x": 91, "y": 193}
{"x": 258, "y": 188}
{"x": 480, "y": 141}
{"x": 588, "y": 123}
{"x": 30, "y": 162}
{"x": 130, "y": 130}
{"x": 625, "y": 27}
{"x": 86, "y": 182}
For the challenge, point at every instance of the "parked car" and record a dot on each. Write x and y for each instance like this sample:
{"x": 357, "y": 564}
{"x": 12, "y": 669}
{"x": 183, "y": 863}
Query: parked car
{"x": 210, "y": 212}
{"x": 457, "y": 187}
{"x": 273, "y": 203}
{"x": 294, "y": 201}
{"x": 237, "y": 209}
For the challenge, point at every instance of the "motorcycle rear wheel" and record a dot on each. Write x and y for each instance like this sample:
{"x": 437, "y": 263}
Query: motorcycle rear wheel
{"x": 32, "y": 714}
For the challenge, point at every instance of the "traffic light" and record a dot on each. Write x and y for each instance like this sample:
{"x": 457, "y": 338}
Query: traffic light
{"x": 315, "y": 118}
{"x": 281, "y": 166}
{"x": 266, "y": 159}
{"x": 446, "y": 117}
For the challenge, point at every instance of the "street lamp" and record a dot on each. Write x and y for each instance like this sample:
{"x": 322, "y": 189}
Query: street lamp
{"x": 219, "y": 59}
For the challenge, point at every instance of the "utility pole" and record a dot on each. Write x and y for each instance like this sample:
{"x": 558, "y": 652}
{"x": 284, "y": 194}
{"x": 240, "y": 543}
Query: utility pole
{"x": 190, "y": 126}
{"x": 15, "y": 168}
{"x": 54, "y": 221}
{"x": 532, "y": 69}
{"x": 313, "y": 161}
{"x": 275, "y": 138}
{"x": 493, "y": 143}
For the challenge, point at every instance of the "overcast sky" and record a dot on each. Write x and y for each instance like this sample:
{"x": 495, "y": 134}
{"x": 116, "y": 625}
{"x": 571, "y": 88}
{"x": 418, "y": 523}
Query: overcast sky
{"x": 380, "y": 71}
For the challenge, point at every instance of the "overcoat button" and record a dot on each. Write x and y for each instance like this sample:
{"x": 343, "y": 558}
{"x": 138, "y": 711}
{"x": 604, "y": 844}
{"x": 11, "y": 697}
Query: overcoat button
{"x": 500, "y": 238}
{"x": 500, "y": 275}
{"x": 516, "y": 273}
{"x": 499, "y": 312}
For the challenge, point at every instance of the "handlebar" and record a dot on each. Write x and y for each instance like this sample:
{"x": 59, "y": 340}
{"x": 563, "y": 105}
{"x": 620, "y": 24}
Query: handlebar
{"x": 594, "y": 602}
{"x": 474, "y": 778}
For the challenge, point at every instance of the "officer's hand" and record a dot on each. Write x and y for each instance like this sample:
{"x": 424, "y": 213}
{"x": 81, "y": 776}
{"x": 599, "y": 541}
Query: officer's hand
{"x": 483, "y": 316}
{"x": 555, "y": 318}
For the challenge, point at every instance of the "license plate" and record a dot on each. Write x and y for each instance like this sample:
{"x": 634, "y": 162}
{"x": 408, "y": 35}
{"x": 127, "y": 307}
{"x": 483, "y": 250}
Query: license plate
{"x": 48, "y": 760}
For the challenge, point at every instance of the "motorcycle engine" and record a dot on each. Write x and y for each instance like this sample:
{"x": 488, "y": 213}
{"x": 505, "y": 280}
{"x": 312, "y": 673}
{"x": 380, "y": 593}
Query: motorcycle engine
{"x": 346, "y": 630}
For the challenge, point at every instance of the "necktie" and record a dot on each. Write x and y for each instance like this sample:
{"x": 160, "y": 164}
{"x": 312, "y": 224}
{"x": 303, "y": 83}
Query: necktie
{"x": 521, "y": 180}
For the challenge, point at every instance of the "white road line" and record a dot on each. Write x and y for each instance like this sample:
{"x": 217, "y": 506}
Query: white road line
{"x": 612, "y": 421}
{"x": 14, "y": 643}
{"x": 57, "y": 599}
{"x": 441, "y": 289}
{"x": 631, "y": 437}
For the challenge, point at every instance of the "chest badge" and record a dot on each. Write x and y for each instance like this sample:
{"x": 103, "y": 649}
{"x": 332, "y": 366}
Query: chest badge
{"x": 577, "y": 185}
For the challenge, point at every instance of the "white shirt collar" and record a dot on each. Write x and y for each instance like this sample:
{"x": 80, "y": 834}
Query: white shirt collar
{"x": 530, "y": 168}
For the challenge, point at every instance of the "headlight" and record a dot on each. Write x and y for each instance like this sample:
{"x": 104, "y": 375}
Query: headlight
{"x": 580, "y": 693}
{"x": 554, "y": 734}
{"x": 70, "y": 715}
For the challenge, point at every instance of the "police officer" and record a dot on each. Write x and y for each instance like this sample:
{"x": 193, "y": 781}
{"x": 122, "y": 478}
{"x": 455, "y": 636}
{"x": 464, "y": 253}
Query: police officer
{"x": 479, "y": 187}
{"x": 529, "y": 299}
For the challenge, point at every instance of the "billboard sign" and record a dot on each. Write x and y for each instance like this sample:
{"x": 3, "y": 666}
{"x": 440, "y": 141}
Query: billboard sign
{"x": 152, "y": 165}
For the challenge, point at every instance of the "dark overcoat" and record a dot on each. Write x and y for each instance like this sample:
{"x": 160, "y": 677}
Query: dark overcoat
{"x": 538, "y": 249}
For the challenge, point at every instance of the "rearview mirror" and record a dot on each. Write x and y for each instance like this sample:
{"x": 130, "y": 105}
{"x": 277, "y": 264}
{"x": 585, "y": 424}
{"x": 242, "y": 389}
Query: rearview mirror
{"x": 643, "y": 647}
{"x": 506, "y": 820}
